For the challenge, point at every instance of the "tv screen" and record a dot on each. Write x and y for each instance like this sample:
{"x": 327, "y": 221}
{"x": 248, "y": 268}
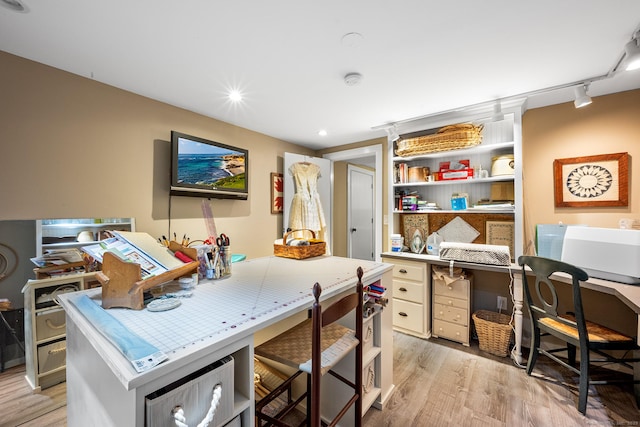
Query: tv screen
{"x": 204, "y": 168}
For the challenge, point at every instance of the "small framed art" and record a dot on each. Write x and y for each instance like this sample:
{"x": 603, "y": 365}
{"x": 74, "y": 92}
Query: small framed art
{"x": 277, "y": 192}
{"x": 592, "y": 181}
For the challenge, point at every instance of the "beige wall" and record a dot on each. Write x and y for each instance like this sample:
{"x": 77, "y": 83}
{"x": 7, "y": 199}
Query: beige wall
{"x": 73, "y": 147}
{"x": 610, "y": 125}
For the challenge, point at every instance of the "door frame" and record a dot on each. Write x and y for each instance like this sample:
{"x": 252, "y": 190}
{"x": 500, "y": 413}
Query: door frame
{"x": 357, "y": 153}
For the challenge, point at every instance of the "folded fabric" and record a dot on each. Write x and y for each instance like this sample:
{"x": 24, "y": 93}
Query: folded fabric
{"x": 442, "y": 273}
{"x": 140, "y": 353}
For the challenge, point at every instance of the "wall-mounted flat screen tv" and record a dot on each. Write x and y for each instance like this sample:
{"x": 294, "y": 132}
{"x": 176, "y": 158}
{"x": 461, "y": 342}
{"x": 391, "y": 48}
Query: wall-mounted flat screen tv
{"x": 204, "y": 168}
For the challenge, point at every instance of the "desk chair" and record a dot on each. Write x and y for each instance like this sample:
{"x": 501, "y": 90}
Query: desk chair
{"x": 315, "y": 346}
{"x": 572, "y": 328}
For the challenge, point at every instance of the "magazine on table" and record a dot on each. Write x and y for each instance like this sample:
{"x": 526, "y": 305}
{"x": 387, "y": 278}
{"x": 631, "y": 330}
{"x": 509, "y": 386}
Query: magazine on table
{"x": 139, "y": 248}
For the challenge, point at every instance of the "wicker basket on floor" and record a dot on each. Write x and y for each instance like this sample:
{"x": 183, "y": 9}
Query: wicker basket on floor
{"x": 447, "y": 138}
{"x": 494, "y": 331}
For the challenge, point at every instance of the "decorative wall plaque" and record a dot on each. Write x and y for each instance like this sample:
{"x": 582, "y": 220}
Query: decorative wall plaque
{"x": 592, "y": 181}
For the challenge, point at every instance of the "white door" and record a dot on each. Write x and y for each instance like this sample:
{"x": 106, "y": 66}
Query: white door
{"x": 361, "y": 213}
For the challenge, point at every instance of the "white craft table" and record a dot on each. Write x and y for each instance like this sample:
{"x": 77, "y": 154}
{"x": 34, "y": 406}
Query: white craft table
{"x": 220, "y": 319}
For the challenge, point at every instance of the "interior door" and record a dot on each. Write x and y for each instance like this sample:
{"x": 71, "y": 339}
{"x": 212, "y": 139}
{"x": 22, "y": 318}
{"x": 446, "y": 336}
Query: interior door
{"x": 361, "y": 212}
{"x": 323, "y": 188}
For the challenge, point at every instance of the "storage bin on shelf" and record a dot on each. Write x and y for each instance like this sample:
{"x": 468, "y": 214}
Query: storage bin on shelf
{"x": 314, "y": 248}
{"x": 494, "y": 331}
{"x": 447, "y": 138}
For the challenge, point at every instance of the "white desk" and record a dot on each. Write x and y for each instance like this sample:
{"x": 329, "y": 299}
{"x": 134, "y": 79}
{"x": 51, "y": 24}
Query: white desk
{"x": 628, "y": 294}
{"x": 104, "y": 389}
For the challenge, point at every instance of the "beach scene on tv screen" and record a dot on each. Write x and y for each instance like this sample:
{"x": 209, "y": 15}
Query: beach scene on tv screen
{"x": 210, "y": 166}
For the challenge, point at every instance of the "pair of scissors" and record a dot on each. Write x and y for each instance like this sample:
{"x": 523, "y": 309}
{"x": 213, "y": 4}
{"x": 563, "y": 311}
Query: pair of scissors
{"x": 222, "y": 240}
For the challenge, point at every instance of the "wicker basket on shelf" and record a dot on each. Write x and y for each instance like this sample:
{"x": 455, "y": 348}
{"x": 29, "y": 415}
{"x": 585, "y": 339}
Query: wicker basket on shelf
{"x": 452, "y": 137}
{"x": 494, "y": 331}
{"x": 314, "y": 248}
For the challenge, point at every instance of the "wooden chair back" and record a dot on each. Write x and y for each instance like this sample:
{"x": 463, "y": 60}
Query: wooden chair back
{"x": 324, "y": 316}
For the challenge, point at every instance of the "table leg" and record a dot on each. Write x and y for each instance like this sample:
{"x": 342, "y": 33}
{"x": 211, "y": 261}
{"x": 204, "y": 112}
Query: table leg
{"x": 516, "y": 353}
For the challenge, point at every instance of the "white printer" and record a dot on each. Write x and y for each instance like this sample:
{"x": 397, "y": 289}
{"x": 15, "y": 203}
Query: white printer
{"x": 606, "y": 253}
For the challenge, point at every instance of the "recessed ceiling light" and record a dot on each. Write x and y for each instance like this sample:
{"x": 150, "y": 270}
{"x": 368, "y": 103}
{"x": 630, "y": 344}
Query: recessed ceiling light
{"x": 15, "y": 5}
{"x": 352, "y": 39}
{"x": 235, "y": 96}
{"x": 322, "y": 132}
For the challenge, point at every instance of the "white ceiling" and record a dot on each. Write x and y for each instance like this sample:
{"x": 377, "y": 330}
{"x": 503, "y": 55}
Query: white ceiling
{"x": 418, "y": 57}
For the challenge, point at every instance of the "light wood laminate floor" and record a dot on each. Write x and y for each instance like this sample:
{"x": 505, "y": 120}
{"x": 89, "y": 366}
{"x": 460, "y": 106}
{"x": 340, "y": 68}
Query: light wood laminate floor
{"x": 438, "y": 383}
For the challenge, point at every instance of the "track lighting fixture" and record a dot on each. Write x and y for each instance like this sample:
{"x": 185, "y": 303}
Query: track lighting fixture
{"x": 498, "y": 115}
{"x": 392, "y": 131}
{"x": 582, "y": 99}
{"x": 632, "y": 55}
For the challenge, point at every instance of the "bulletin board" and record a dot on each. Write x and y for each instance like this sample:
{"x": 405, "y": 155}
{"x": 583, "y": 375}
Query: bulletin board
{"x": 433, "y": 221}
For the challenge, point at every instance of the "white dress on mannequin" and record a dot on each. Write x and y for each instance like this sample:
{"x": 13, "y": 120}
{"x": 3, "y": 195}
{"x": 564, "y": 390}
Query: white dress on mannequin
{"x": 306, "y": 208}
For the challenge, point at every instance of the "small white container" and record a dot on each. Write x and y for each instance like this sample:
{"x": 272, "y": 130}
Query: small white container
{"x": 186, "y": 282}
{"x": 502, "y": 165}
{"x": 396, "y": 243}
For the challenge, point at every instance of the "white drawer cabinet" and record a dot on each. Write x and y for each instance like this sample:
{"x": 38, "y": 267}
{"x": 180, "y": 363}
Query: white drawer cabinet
{"x": 411, "y": 303}
{"x": 452, "y": 308}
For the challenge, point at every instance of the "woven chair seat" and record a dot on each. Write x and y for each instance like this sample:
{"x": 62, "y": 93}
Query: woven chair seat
{"x": 293, "y": 347}
{"x": 597, "y": 333}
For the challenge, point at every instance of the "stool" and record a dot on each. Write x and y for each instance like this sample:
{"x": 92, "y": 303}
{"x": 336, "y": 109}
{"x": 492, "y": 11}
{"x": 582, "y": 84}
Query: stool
{"x": 314, "y": 347}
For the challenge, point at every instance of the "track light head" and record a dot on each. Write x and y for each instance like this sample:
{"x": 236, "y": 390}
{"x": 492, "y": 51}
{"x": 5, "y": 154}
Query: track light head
{"x": 582, "y": 99}
{"x": 632, "y": 55}
{"x": 392, "y": 131}
{"x": 498, "y": 115}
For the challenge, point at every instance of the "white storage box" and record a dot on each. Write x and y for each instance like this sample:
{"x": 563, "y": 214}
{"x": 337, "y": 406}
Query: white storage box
{"x": 52, "y": 356}
{"x": 50, "y": 324}
{"x": 605, "y": 253}
{"x": 367, "y": 334}
{"x": 193, "y": 394}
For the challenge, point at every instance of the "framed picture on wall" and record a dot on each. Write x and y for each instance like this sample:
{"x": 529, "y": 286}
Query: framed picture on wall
{"x": 277, "y": 194}
{"x": 592, "y": 181}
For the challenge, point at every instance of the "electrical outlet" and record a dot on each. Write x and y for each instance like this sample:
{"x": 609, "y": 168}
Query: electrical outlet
{"x": 502, "y": 303}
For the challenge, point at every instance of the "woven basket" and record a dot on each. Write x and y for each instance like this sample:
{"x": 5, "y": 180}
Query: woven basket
{"x": 315, "y": 248}
{"x": 452, "y": 137}
{"x": 494, "y": 331}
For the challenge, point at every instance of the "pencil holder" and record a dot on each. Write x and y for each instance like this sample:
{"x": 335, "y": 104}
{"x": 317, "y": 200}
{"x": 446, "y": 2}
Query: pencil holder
{"x": 223, "y": 267}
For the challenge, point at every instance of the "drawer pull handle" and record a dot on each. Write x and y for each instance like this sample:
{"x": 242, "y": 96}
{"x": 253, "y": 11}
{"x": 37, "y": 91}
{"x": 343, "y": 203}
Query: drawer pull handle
{"x": 403, "y": 289}
{"x": 58, "y": 350}
{"x": 368, "y": 334}
{"x": 52, "y": 326}
{"x": 403, "y": 314}
{"x": 450, "y": 302}
{"x": 441, "y": 313}
{"x": 403, "y": 271}
{"x": 449, "y": 287}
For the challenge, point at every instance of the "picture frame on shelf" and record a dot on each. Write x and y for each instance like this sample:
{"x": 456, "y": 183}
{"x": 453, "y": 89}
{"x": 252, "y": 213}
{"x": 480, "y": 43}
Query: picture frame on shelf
{"x": 592, "y": 181}
{"x": 501, "y": 233}
{"x": 277, "y": 193}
